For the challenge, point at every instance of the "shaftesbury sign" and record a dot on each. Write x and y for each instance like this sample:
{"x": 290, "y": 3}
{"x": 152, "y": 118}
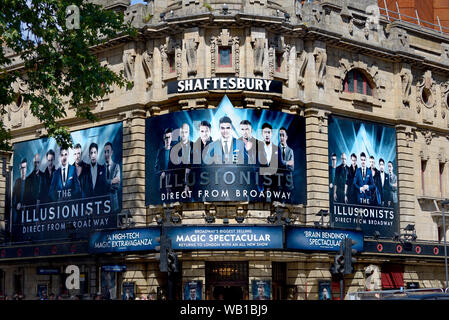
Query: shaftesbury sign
{"x": 247, "y": 84}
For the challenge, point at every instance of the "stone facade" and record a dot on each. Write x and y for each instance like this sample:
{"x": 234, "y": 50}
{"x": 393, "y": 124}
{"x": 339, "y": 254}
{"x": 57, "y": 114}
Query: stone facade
{"x": 317, "y": 45}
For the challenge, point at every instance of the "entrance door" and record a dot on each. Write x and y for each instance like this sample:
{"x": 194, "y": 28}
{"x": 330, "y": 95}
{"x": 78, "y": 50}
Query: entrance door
{"x": 227, "y": 281}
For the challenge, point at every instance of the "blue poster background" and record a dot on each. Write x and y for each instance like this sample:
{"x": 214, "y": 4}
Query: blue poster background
{"x": 261, "y": 289}
{"x": 46, "y": 215}
{"x": 224, "y": 182}
{"x": 376, "y": 209}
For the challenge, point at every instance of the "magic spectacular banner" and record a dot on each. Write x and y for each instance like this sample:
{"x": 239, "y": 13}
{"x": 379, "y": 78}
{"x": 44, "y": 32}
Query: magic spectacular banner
{"x": 225, "y": 154}
{"x": 363, "y": 181}
{"x": 58, "y": 192}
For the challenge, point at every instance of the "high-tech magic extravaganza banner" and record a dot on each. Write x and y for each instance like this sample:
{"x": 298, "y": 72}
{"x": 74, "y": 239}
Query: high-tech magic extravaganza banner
{"x": 363, "y": 183}
{"x": 225, "y": 154}
{"x": 58, "y": 192}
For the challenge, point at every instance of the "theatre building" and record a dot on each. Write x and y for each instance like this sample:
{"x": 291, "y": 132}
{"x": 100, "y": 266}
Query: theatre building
{"x": 257, "y": 136}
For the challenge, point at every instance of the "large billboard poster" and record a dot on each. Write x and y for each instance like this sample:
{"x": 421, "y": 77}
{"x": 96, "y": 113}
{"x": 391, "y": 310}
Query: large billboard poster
{"x": 363, "y": 183}
{"x": 57, "y": 192}
{"x": 225, "y": 154}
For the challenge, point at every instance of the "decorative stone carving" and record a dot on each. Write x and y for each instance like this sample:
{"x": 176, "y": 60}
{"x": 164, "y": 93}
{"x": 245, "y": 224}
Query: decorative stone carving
{"x": 18, "y": 110}
{"x": 225, "y": 39}
{"x": 129, "y": 60}
{"x": 188, "y": 2}
{"x": 171, "y": 47}
{"x": 373, "y": 280}
{"x": 298, "y": 8}
{"x": 147, "y": 63}
{"x": 398, "y": 38}
{"x": 445, "y": 94}
{"x": 320, "y": 65}
{"x": 426, "y": 92}
{"x": 406, "y": 81}
{"x": 303, "y": 59}
{"x": 259, "y": 52}
{"x": 428, "y": 136}
{"x": 191, "y": 56}
{"x": 445, "y": 52}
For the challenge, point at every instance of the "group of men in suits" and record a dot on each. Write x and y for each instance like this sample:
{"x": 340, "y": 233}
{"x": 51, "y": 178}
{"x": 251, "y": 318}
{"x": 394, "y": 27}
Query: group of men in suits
{"x": 362, "y": 185}
{"x": 69, "y": 181}
{"x": 245, "y": 150}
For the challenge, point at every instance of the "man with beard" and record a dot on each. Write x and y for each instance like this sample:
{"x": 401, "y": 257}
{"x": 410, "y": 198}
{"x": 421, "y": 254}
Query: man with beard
{"x": 340, "y": 180}
{"x": 94, "y": 180}
{"x": 350, "y": 192}
{"x": 79, "y": 164}
{"x": 47, "y": 177}
{"x": 33, "y": 182}
{"x": 64, "y": 184}
{"x": 251, "y": 143}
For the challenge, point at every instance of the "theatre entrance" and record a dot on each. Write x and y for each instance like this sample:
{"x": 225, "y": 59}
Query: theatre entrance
{"x": 227, "y": 280}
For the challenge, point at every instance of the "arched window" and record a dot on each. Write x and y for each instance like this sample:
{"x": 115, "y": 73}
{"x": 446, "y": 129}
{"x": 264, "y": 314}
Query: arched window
{"x": 356, "y": 81}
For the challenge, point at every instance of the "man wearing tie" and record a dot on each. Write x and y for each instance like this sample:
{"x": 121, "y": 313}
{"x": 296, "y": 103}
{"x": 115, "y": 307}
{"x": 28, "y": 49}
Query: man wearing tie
{"x": 286, "y": 153}
{"x": 250, "y": 142}
{"x": 47, "y": 177}
{"x": 64, "y": 184}
{"x": 382, "y": 182}
{"x": 79, "y": 164}
{"x": 363, "y": 182}
{"x": 375, "y": 196}
{"x": 227, "y": 149}
{"x": 112, "y": 176}
{"x": 268, "y": 153}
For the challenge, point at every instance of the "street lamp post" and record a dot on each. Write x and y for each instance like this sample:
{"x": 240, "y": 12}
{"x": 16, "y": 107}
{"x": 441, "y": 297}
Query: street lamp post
{"x": 443, "y": 203}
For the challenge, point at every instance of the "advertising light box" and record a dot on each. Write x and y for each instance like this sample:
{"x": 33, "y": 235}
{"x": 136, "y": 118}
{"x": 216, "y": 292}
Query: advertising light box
{"x": 124, "y": 240}
{"x": 225, "y": 154}
{"x": 301, "y": 238}
{"x": 226, "y": 237}
{"x": 58, "y": 192}
{"x": 363, "y": 182}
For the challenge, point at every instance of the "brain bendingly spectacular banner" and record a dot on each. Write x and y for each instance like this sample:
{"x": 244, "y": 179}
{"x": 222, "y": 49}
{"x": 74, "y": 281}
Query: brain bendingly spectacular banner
{"x": 225, "y": 154}
{"x": 363, "y": 183}
{"x": 58, "y": 192}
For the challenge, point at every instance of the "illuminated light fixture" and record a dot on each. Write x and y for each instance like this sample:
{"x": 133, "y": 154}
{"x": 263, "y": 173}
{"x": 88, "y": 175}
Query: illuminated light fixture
{"x": 239, "y": 219}
{"x": 225, "y": 221}
{"x": 210, "y": 219}
{"x": 396, "y": 236}
{"x": 225, "y": 8}
{"x": 271, "y": 219}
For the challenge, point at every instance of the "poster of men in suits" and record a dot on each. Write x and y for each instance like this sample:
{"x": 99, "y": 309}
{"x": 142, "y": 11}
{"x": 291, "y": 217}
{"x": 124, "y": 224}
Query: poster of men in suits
{"x": 363, "y": 183}
{"x": 59, "y": 191}
{"x": 225, "y": 154}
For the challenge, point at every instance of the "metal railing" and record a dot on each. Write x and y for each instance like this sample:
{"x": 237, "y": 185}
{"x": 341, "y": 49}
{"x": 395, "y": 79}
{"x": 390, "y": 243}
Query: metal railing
{"x": 381, "y": 295}
{"x": 391, "y": 15}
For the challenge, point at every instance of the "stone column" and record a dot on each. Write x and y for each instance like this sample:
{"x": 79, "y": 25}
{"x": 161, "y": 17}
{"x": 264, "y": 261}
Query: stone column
{"x": 406, "y": 169}
{"x": 133, "y": 175}
{"x": 316, "y": 163}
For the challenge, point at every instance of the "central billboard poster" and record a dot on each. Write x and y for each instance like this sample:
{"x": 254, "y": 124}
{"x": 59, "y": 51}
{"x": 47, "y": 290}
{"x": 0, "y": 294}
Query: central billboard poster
{"x": 225, "y": 154}
{"x": 363, "y": 183}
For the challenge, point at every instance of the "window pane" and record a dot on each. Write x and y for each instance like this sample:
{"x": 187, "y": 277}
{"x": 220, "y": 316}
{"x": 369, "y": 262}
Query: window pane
{"x": 225, "y": 56}
{"x": 368, "y": 89}
{"x": 278, "y": 61}
{"x": 351, "y": 81}
{"x": 360, "y": 81}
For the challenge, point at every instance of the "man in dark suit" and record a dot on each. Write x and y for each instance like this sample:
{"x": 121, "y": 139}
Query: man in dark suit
{"x": 19, "y": 195}
{"x": 286, "y": 161}
{"x": 350, "y": 192}
{"x": 375, "y": 196}
{"x": 112, "y": 176}
{"x": 268, "y": 151}
{"x": 382, "y": 182}
{"x": 33, "y": 182}
{"x": 202, "y": 142}
{"x": 65, "y": 184}
{"x": 79, "y": 164}
{"x": 363, "y": 182}
{"x": 47, "y": 177}
{"x": 341, "y": 174}
{"x": 227, "y": 149}
{"x": 94, "y": 180}
{"x": 332, "y": 171}
{"x": 162, "y": 163}
{"x": 184, "y": 150}
{"x": 250, "y": 142}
